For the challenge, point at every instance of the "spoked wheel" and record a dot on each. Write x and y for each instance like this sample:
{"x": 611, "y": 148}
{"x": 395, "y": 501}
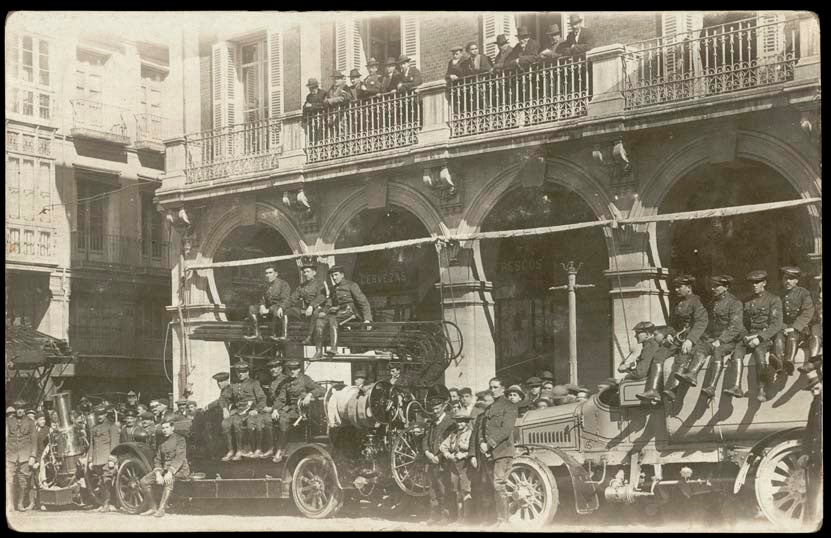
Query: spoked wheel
{"x": 127, "y": 489}
{"x": 409, "y": 469}
{"x": 781, "y": 485}
{"x": 315, "y": 489}
{"x": 533, "y": 496}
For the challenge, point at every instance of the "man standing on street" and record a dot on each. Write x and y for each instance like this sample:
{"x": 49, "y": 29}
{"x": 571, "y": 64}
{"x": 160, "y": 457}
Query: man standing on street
{"x": 441, "y": 425}
{"x": 105, "y": 437}
{"x": 21, "y": 443}
{"x": 497, "y": 445}
{"x": 170, "y": 463}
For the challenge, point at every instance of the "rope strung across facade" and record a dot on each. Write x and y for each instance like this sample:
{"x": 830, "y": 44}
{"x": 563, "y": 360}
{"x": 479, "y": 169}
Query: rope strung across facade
{"x": 503, "y": 234}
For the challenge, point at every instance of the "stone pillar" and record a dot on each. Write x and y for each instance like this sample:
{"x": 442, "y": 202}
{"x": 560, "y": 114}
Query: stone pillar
{"x": 56, "y": 320}
{"x": 467, "y": 302}
{"x": 433, "y": 97}
{"x": 607, "y": 80}
{"x": 292, "y": 137}
{"x": 808, "y": 66}
{"x": 175, "y": 161}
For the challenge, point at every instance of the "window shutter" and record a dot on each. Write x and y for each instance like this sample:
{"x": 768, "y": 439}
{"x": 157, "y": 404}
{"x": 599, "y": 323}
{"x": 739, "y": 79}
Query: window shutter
{"x": 671, "y": 25}
{"x": 349, "y": 46}
{"x": 275, "y": 75}
{"x": 771, "y": 36}
{"x": 494, "y": 24}
{"x": 341, "y": 44}
{"x": 410, "y": 37}
{"x": 223, "y": 87}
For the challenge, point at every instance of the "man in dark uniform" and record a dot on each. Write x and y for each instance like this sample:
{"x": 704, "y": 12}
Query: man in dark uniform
{"x": 302, "y": 298}
{"x": 372, "y": 82}
{"x": 410, "y": 76}
{"x": 295, "y": 393}
{"x": 170, "y": 463}
{"x": 21, "y": 447}
{"x": 440, "y": 426}
{"x": 181, "y": 410}
{"x": 341, "y": 303}
{"x": 248, "y": 399}
{"x": 131, "y": 426}
{"x": 725, "y": 330}
{"x": 41, "y": 440}
{"x": 579, "y": 40}
{"x": 497, "y": 445}
{"x": 105, "y": 437}
{"x": 797, "y": 315}
{"x": 278, "y": 377}
{"x": 687, "y": 325}
{"x": 645, "y": 364}
{"x": 274, "y": 300}
{"x": 223, "y": 383}
{"x": 814, "y": 360}
{"x": 763, "y": 319}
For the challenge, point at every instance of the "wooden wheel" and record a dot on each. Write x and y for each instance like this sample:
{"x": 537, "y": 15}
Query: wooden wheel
{"x": 533, "y": 496}
{"x": 409, "y": 468}
{"x": 127, "y": 489}
{"x": 781, "y": 485}
{"x": 315, "y": 489}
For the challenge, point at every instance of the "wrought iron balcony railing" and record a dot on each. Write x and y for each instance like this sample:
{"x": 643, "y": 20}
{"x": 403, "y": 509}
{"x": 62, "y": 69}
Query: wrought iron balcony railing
{"x": 93, "y": 119}
{"x": 151, "y": 131}
{"x": 29, "y": 100}
{"x": 542, "y": 93}
{"x": 115, "y": 339}
{"x": 379, "y": 123}
{"x": 234, "y": 150}
{"x": 119, "y": 252}
{"x": 751, "y": 53}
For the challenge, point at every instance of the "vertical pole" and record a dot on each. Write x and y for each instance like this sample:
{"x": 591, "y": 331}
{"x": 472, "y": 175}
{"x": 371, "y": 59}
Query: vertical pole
{"x": 572, "y": 324}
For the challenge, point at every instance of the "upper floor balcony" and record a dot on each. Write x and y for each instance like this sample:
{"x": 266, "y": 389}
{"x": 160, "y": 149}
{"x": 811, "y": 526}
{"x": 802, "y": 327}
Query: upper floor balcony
{"x": 96, "y": 120}
{"x": 763, "y": 57}
{"x": 119, "y": 253}
{"x": 151, "y": 131}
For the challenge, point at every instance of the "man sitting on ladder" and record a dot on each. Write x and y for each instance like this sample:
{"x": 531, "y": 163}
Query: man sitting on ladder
{"x": 338, "y": 302}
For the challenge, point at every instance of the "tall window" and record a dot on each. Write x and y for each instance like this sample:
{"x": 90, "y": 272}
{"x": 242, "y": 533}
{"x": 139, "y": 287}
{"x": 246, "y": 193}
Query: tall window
{"x": 91, "y": 221}
{"x": 151, "y": 227}
{"x": 151, "y": 103}
{"x": 254, "y": 72}
{"x": 89, "y": 70}
{"x": 28, "y": 67}
{"x": 384, "y": 38}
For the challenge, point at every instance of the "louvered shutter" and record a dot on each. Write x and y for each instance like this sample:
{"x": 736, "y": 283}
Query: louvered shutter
{"x": 275, "y": 74}
{"x": 349, "y": 45}
{"x": 771, "y": 36}
{"x": 410, "y": 39}
{"x": 223, "y": 87}
{"x": 671, "y": 24}
{"x": 494, "y": 24}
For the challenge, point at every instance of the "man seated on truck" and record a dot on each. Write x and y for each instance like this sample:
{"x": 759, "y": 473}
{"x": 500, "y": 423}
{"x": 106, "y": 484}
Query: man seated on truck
{"x": 300, "y": 305}
{"x": 169, "y": 463}
{"x": 274, "y": 301}
{"x": 247, "y": 402}
{"x": 293, "y": 397}
{"x": 339, "y": 303}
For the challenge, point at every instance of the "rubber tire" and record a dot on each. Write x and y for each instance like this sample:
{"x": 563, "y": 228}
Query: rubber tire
{"x": 774, "y": 456}
{"x": 123, "y": 464}
{"x": 543, "y": 476}
{"x": 335, "y": 502}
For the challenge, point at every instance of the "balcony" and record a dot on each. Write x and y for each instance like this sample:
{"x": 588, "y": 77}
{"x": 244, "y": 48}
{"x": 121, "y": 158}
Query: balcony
{"x": 98, "y": 121}
{"x": 151, "y": 132}
{"x": 752, "y": 53}
{"x": 543, "y": 93}
{"x": 120, "y": 253}
{"x": 376, "y": 124}
{"x": 30, "y": 103}
{"x": 30, "y": 243}
{"x": 234, "y": 150}
{"x": 114, "y": 339}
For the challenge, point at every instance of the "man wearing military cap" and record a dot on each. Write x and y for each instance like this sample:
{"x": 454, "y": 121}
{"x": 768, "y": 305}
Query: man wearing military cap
{"x": 341, "y": 302}
{"x": 170, "y": 463}
{"x": 455, "y": 451}
{"x": 248, "y": 400}
{"x": 131, "y": 426}
{"x": 687, "y": 325}
{"x": 278, "y": 378}
{"x": 224, "y": 401}
{"x": 274, "y": 301}
{"x": 181, "y": 410}
{"x": 763, "y": 319}
{"x": 162, "y": 411}
{"x": 409, "y": 75}
{"x": 146, "y": 433}
{"x": 21, "y": 447}
{"x": 797, "y": 315}
{"x": 302, "y": 298}
{"x": 496, "y": 444}
{"x": 372, "y": 82}
{"x": 440, "y": 426}
{"x": 296, "y": 393}
{"x": 641, "y": 366}
{"x": 100, "y": 461}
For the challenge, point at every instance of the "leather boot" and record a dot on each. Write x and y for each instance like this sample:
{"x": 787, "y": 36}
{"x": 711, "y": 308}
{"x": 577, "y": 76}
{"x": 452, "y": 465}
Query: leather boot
{"x": 775, "y": 362}
{"x": 21, "y": 497}
{"x": 762, "y": 377}
{"x": 256, "y": 335}
{"x": 284, "y": 328}
{"x": 501, "y": 509}
{"x": 652, "y": 382}
{"x": 268, "y": 433}
{"x": 333, "y": 339}
{"x": 318, "y": 342}
{"x": 149, "y": 495}
{"x": 229, "y": 442}
{"x": 791, "y": 347}
{"x": 814, "y": 343}
{"x": 163, "y": 503}
{"x": 710, "y": 390}
{"x": 689, "y": 374}
{"x": 310, "y": 334}
{"x": 278, "y": 457}
{"x": 736, "y": 390}
{"x": 238, "y": 438}
{"x": 257, "y": 442}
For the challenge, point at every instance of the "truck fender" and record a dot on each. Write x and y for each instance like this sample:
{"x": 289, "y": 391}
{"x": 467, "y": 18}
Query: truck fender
{"x": 141, "y": 450}
{"x": 297, "y": 453}
{"x": 585, "y": 493}
{"x": 755, "y": 453}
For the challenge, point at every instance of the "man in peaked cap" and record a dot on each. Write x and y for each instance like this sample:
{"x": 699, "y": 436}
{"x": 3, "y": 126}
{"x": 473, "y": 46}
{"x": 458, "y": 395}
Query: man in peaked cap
{"x": 640, "y": 366}
{"x": 104, "y": 437}
{"x": 21, "y": 446}
{"x": 340, "y": 303}
{"x": 298, "y": 391}
{"x": 249, "y": 400}
{"x": 797, "y": 314}
{"x": 687, "y": 325}
{"x": 579, "y": 40}
{"x": 409, "y": 75}
{"x": 272, "y": 304}
{"x": 496, "y": 439}
{"x": 455, "y": 450}
{"x": 302, "y": 298}
{"x": 132, "y": 399}
{"x": 441, "y": 425}
{"x": 278, "y": 378}
{"x": 762, "y": 319}
{"x": 457, "y": 66}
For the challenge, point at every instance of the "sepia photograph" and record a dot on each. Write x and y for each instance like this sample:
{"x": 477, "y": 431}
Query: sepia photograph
{"x": 420, "y": 271}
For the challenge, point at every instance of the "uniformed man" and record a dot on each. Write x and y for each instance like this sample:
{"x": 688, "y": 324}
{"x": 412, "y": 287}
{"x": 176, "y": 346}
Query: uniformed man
{"x": 455, "y": 451}
{"x": 687, "y": 325}
{"x": 181, "y": 410}
{"x": 409, "y": 75}
{"x": 497, "y": 445}
{"x": 223, "y": 383}
{"x": 100, "y": 460}
{"x": 763, "y": 319}
{"x": 278, "y": 378}
{"x": 146, "y": 433}
{"x": 483, "y": 499}
{"x": 440, "y": 426}
{"x": 41, "y": 440}
{"x": 814, "y": 360}
{"x": 170, "y": 463}
{"x": 342, "y": 302}
{"x": 797, "y": 315}
{"x": 725, "y": 330}
{"x": 272, "y": 304}
{"x": 372, "y": 82}
{"x": 131, "y": 426}
{"x": 638, "y": 367}
{"x": 301, "y": 301}
{"x": 294, "y": 394}
{"x": 248, "y": 400}
{"x": 21, "y": 447}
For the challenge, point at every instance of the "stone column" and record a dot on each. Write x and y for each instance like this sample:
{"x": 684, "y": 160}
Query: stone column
{"x": 607, "y": 80}
{"x": 433, "y": 97}
{"x": 292, "y": 137}
{"x": 808, "y": 66}
{"x": 56, "y": 320}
